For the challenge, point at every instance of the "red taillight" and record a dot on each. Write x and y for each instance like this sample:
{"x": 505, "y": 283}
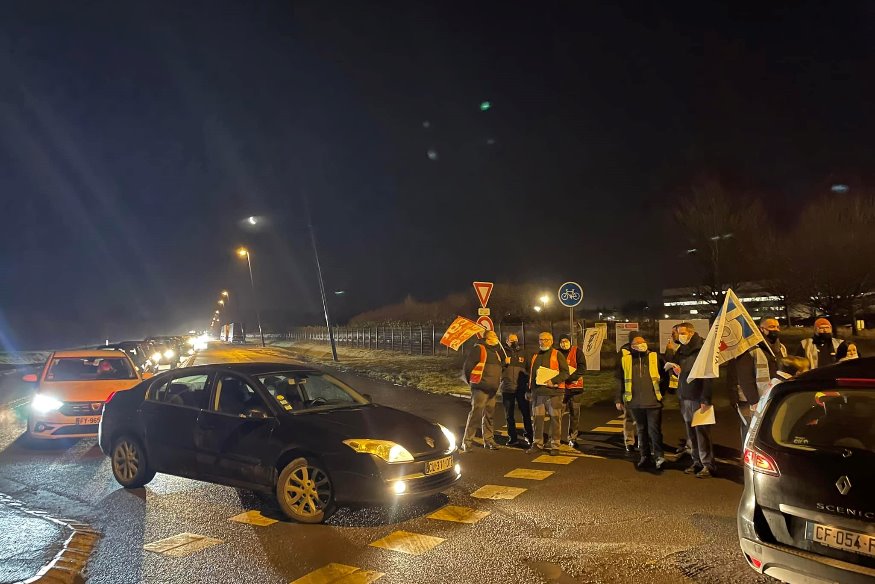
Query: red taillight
{"x": 109, "y": 397}
{"x": 759, "y": 462}
{"x": 755, "y": 562}
{"x": 30, "y": 378}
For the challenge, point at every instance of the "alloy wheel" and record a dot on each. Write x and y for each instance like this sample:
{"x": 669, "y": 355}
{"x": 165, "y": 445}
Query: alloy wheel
{"x": 125, "y": 460}
{"x": 308, "y": 491}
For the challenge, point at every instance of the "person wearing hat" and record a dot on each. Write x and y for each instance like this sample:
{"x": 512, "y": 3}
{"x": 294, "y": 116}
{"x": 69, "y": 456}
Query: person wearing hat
{"x": 514, "y": 385}
{"x": 573, "y": 385}
{"x": 822, "y": 349}
{"x": 482, "y": 368}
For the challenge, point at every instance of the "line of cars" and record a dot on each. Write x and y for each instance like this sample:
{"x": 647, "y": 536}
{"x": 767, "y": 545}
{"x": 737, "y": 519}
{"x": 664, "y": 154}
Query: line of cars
{"x": 156, "y": 354}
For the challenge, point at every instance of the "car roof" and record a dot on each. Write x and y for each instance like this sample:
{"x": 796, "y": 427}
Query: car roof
{"x": 88, "y": 353}
{"x": 863, "y": 368}
{"x": 251, "y": 368}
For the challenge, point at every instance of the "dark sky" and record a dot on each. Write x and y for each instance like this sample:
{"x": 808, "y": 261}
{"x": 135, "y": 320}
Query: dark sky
{"x": 135, "y": 136}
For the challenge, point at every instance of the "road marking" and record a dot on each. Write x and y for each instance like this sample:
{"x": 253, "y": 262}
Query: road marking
{"x": 547, "y": 459}
{"x": 616, "y": 422}
{"x": 339, "y": 574}
{"x": 181, "y": 545}
{"x": 607, "y": 429}
{"x": 458, "y": 514}
{"x": 253, "y": 518}
{"x": 529, "y": 473}
{"x": 498, "y": 492}
{"x": 407, "y": 543}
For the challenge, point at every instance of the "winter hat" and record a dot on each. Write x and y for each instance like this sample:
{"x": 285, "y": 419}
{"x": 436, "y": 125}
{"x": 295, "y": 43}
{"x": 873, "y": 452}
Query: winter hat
{"x": 822, "y": 322}
{"x": 565, "y": 337}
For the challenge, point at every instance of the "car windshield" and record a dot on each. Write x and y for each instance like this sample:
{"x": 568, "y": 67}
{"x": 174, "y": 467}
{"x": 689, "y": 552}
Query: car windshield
{"x": 89, "y": 369}
{"x": 296, "y": 390}
{"x": 811, "y": 420}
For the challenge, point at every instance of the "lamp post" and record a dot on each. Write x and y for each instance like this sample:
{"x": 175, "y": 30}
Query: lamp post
{"x": 244, "y": 253}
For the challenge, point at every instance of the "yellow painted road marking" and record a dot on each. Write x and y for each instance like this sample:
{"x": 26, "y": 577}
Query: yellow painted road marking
{"x": 608, "y": 429}
{"x": 458, "y": 514}
{"x": 339, "y": 574}
{"x": 253, "y": 518}
{"x": 529, "y": 473}
{"x": 616, "y": 422}
{"x": 181, "y": 545}
{"x": 497, "y": 492}
{"x": 547, "y": 459}
{"x": 408, "y": 543}
{"x": 581, "y": 455}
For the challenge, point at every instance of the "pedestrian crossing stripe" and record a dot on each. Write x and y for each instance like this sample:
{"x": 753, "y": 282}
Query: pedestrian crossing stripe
{"x": 607, "y": 429}
{"x": 529, "y": 473}
{"x": 498, "y": 492}
{"x": 414, "y": 544}
{"x": 181, "y": 545}
{"x": 339, "y": 574}
{"x": 547, "y": 459}
{"x": 458, "y": 514}
{"x": 616, "y": 422}
{"x": 253, "y": 518}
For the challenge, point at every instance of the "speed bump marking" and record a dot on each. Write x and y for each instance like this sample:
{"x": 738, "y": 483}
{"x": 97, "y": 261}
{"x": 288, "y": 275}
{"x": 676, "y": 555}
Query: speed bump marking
{"x": 498, "y": 492}
{"x": 408, "y": 543}
{"x": 181, "y": 545}
{"x": 339, "y": 574}
{"x": 253, "y": 518}
{"x": 458, "y": 514}
{"x": 547, "y": 459}
{"x": 529, "y": 473}
{"x": 607, "y": 429}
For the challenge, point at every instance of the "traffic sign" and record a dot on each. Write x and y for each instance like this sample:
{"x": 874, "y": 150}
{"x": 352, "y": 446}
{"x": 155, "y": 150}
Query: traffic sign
{"x": 483, "y": 311}
{"x": 570, "y": 294}
{"x": 484, "y": 291}
{"x": 486, "y": 323}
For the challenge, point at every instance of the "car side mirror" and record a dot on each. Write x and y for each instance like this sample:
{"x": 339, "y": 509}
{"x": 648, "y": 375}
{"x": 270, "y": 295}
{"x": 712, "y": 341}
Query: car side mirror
{"x": 257, "y": 413}
{"x": 30, "y": 378}
{"x": 148, "y": 375}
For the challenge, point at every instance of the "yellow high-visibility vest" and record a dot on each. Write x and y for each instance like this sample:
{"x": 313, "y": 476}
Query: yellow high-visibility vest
{"x": 653, "y": 361}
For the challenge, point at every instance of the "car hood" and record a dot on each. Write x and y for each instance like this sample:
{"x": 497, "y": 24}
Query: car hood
{"x": 84, "y": 391}
{"x": 380, "y": 423}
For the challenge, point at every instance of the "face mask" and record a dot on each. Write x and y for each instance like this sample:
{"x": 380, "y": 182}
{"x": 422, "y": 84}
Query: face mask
{"x": 772, "y": 336}
{"x": 640, "y": 347}
{"x": 825, "y": 337}
{"x": 684, "y": 339}
{"x": 513, "y": 344}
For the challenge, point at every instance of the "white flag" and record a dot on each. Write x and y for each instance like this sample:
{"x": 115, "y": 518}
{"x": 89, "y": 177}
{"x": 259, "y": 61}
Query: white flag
{"x": 733, "y": 333}
{"x": 592, "y": 346}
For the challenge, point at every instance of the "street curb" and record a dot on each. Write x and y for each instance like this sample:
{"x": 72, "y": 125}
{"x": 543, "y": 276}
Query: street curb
{"x": 68, "y": 565}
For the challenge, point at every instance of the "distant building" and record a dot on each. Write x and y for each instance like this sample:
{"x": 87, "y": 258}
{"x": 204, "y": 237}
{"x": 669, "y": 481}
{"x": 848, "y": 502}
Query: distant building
{"x": 689, "y": 303}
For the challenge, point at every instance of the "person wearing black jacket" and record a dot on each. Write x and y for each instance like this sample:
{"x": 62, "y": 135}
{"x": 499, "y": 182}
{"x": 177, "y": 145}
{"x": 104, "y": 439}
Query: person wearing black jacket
{"x": 483, "y": 365}
{"x": 514, "y": 384}
{"x": 693, "y": 395}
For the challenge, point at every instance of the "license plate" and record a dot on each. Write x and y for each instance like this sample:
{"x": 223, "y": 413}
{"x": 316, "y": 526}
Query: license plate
{"x": 87, "y": 421}
{"x": 440, "y": 465}
{"x": 841, "y": 539}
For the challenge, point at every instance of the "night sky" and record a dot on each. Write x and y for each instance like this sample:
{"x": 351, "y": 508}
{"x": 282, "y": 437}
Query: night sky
{"x": 134, "y": 138}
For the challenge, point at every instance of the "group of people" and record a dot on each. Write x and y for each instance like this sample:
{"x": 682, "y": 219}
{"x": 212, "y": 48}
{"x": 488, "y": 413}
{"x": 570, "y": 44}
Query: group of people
{"x": 550, "y": 382}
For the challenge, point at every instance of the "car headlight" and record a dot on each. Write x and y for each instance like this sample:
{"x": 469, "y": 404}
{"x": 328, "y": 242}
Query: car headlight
{"x": 169, "y": 354}
{"x": 43, "y": 403}
{"x": 156, "y": 357}
{"x": 451, "y": 438}
{"x": 385, "y": 449}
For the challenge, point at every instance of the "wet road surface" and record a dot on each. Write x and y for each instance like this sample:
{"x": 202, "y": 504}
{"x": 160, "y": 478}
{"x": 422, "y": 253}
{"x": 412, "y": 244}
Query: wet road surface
{"x": 593, "y": 519}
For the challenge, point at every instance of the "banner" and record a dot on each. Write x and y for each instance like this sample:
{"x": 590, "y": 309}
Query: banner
{"x": 623, "y": 330}
{"x": 460, "y": 331}
{"x": 592, "y": 347}
{"x": 733, "y": 333}
{"x": 700, "y": 324}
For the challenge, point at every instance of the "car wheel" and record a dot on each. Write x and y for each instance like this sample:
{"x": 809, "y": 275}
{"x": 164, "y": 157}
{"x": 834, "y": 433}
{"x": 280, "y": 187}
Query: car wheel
{"x": 130, "y": 467}
{"x": 304, "y": 492}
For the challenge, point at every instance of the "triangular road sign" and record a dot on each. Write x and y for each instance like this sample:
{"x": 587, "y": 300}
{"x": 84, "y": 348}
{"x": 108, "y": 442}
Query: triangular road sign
{"x": 484, "y": 291}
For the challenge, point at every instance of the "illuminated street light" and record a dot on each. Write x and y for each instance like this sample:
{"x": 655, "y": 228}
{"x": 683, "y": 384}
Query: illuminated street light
{"x": 252, "y": 220}
{"x": 536, "y": 308}
{"x": 225, "y": 293}
{"x": 221, "y": 303}
{"x": 244, "y": 253}
{"x": 544, "y": 299}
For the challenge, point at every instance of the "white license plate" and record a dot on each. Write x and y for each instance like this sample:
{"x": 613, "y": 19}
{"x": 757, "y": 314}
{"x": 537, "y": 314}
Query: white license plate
{"x": 439, "y": 465}
{"x": 841, "y": 539}
{"x": 88, "y": 420}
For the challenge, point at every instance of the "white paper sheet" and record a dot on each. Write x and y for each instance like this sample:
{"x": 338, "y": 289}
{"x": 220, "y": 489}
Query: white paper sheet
{"x": 544, "y": 374}
{"x": 705, "y": 418}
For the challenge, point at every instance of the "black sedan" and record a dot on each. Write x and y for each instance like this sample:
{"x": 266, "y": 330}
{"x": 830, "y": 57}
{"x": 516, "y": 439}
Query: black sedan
{"x": 808, "y": 512}
{"x": 301, "y": 434}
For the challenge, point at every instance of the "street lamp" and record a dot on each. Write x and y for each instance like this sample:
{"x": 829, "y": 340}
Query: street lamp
{"x": 536, "y": 308}
{"x": 544, "y": 299}
{"x": 244, "y": 253}
{"x": 221, "y": 303}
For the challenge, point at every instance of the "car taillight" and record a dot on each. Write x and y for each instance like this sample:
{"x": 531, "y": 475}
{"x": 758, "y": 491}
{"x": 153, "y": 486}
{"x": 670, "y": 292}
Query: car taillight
{"x": 755, "y": 562}
{"x": 759, "y": 462}
{"x": 109, "y": 397}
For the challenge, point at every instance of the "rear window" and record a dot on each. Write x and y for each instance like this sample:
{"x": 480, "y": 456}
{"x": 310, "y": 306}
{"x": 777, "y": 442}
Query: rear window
{"x": 89, "y": 369}
{"x": 811, "y": 420}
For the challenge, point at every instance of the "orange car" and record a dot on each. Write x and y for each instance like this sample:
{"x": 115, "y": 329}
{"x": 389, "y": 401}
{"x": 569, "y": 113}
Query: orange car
{"x": 72, "y": 388}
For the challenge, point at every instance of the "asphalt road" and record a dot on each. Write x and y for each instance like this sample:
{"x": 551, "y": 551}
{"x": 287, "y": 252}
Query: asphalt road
{"x": 594, "y": 519}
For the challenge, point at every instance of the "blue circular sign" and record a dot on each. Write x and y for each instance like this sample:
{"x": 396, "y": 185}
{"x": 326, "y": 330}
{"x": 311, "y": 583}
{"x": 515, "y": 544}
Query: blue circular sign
{"x": 570, "y": 294}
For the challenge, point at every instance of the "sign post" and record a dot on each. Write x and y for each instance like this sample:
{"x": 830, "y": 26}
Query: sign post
{"x": 570, "y": 295}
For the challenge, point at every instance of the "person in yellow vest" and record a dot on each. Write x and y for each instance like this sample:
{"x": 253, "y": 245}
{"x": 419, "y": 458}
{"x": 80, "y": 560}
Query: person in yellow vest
{"x": 573, "y": 385}
{"x": 482, "y": 369}
{"x": 641, "y": 373}
{"x": 547, "y": 393}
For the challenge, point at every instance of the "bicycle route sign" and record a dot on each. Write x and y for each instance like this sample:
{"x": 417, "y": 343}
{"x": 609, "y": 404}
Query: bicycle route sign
{"x": 570, "y": 294}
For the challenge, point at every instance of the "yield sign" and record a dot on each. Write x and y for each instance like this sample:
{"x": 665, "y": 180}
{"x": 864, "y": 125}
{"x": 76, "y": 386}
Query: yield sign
{"x": 484, "y": 291}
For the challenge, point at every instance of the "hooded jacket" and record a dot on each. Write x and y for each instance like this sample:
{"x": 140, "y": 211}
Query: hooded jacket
{"x": 698, "y": 390}
{"x": 580, "y": 360}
